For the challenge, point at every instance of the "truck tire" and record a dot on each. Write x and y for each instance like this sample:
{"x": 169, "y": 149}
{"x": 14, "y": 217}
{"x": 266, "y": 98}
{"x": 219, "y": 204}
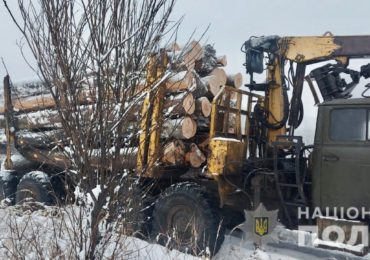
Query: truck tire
{"x": 185, "y": 218}
{"x": 8, "y": 186}
{"x": 34, "y": 185}
{"x": 133, "y": 208}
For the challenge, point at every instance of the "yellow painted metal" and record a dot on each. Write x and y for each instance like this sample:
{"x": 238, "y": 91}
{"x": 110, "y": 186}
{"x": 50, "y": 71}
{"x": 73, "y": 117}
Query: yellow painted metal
{"x": 238, "y": 129}
{"x": 275, "y": 100}
{"x": 225, "y": 156}
{"x": 307, "y": 48}
{"x": 141, "y": 158}
{"x": 155, "y": 133}
{"x": 151, "y": 116}
{"x": 342, "y": 59}
{"x": 214, "y": 118}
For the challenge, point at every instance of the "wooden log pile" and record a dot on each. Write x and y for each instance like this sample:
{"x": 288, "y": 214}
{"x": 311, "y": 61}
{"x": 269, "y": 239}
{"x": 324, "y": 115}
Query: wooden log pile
{"x": 186, "y": 131}
{"x": 197, "y": 76}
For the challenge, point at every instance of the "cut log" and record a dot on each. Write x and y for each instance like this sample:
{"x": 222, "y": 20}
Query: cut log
{"x": 173, "y": 46}
{"x": 203, "y": 146}
{"x": 37, "y": 120}
{"x": 220, "y": 75}
{"x": 195, "y": 156}
{"x": 235, "y": 80}
{"x": 208, "y": 62}
{"x": 181, "y": 104}
{"x": 194, "y": 52}
{"x": 212, "y": 84}
{"x": 42, "y": 140}
{"x": 232, "y": 123}
{"x": 44, "y": 119}
{"x": 205, "y": 87}
{"x": 226, "y": 127}
{"x": 222, "y": 60}
{"x": 179, "y": 81}
{"x": 182, "y": 128}
{"x": 186, "y": 57}
{"x": 125, "y": 160}
{"x": 46, "y": 156}
{"x": 174, "y": 153}
{"x": 203, "y": 106}
{"x": 46, "y": 101}
{"x": 176, "y": 82}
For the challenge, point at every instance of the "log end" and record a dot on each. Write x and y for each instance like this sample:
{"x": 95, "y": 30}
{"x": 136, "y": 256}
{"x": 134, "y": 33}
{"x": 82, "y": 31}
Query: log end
{"x": 189, "y": 104}
{"x": 189, "y": 127}
{"x": 220, "y": 74}
{"x": 196, "y": 156}
{"x": 222, "y": 60}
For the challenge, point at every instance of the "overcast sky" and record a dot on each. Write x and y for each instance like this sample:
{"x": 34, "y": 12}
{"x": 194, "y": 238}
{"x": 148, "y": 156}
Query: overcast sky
{"x": 232, "y": 22}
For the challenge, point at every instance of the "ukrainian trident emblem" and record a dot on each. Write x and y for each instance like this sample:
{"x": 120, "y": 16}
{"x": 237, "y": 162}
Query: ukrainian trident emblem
{"x": 261, "y": 226}
{"x": 259, "y": 223}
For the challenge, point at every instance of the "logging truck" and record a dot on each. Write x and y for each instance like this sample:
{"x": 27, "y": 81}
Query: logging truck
{"x": 229, "y": 149}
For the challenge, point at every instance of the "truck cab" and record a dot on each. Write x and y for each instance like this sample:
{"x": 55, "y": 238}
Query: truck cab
{"x": 340, "y": 159}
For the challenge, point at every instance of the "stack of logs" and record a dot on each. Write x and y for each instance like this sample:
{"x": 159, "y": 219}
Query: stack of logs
{"x": 188, "y": 104}
{"x": 197, "y": 75}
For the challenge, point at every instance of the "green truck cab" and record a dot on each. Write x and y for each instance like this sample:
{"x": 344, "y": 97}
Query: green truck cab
{"x": 341, "y": 155}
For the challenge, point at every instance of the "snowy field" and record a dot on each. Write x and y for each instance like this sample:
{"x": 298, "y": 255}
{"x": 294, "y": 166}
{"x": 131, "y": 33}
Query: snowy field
{"x": 52, "y": 233}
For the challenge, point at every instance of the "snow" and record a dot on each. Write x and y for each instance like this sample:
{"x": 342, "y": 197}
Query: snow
{"x": 96, "y": 191}
{"x": 226, "y": 139}
{"x": 357, "y": 248}
{"x": 282, "y": 245}
{"x": 42, "y": 176}
{"x": 51, "y": 231}
{"x": 54, "y": 233}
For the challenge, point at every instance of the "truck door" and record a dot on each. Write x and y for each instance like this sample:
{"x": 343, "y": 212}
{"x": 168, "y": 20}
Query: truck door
{"x": 345, "y": 158}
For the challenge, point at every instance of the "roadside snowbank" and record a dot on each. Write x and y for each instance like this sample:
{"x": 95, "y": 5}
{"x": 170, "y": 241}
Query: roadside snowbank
{"x": 51, "y": 233}
{"x": 61, "y": 233}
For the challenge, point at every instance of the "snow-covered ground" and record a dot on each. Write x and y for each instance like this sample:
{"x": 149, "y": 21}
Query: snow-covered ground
{"x": 282, "y": 244}
{"x": 53, "y": 233}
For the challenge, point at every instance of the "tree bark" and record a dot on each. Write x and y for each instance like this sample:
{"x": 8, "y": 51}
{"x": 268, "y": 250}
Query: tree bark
{"x": 222, "y": 60}
{"x": 186, "y": 57}
{"x": 195, "y": 156}
{"x": 42, "y": 140}
{"x": 208, "y": 62}
{"x": 174, "y": 153}
{"x": 181, "y": 104}
{"x": 44, "y": 119}
{"x": 41, "y": 102}
{"x": 179, "y": 81}
{"x": 203, "y": 106}
{"x": 235, "y": 80}
{"x": 206, "y": 87}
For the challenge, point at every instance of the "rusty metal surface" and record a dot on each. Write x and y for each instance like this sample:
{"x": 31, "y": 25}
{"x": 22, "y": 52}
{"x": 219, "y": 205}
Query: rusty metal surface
{"x": 354, "y": 46}
{"x": 9, "y": 127}
{"x": 225, "y": 153}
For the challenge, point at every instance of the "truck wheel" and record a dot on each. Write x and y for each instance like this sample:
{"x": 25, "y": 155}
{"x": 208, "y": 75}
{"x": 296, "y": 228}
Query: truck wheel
{"x": 34, "y": 186}
{"x": 186, "y": 219}
{"x": 133, "y": 208}
{"x": 8, "y": 186}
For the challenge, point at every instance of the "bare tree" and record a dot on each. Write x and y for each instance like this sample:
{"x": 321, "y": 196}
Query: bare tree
{"x": 92, "y": 55}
